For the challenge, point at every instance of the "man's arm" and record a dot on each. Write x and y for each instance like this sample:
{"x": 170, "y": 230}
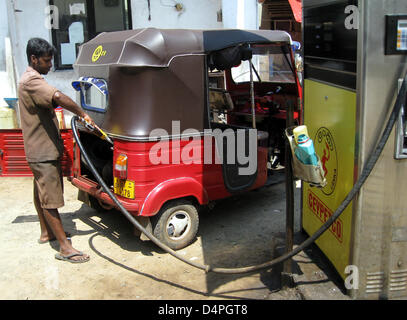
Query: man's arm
{"x": 67, "y": 103}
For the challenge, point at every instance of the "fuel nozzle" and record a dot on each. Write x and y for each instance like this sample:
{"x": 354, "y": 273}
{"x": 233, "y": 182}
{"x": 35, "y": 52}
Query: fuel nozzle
{"x": 96, "y": 129}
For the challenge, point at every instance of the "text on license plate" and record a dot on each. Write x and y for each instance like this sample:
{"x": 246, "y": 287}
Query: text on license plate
{"x": 124, "y": 188}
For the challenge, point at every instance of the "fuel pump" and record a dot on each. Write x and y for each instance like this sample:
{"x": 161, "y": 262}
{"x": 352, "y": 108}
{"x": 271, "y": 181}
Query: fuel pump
{"x": 354, "y": 62}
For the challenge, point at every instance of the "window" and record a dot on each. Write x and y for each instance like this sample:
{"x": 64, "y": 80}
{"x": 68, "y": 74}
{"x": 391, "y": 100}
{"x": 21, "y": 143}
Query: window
{"x": 270, "y": 63}
{"x": 81, "y": 20}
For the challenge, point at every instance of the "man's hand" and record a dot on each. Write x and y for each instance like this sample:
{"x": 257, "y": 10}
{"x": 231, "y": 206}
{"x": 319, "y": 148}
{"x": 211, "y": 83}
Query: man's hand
{"x": 89, "y": 120}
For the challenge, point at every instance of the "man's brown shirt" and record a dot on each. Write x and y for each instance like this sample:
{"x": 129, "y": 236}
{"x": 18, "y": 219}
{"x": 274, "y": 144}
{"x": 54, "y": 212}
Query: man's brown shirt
{"x": 42, "y": 139}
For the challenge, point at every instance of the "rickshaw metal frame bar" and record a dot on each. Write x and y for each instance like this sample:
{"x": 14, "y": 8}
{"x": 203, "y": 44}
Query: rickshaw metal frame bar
{"x": 252, "y": 95}
{"x": 286, "y": 275}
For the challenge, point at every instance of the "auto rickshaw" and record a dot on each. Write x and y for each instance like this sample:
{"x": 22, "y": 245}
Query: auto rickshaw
{"x": 180, "y": 139}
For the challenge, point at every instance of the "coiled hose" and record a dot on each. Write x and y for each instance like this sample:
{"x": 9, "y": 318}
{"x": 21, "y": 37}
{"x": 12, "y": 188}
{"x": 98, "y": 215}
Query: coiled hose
{"x": 371, "y": 162}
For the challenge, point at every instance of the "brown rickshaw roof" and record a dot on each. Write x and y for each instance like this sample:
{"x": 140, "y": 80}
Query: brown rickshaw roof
{"x": 156, "y": 47}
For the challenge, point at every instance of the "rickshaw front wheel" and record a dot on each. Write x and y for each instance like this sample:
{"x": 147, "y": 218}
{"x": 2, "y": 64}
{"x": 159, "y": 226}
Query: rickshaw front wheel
{"x": 176, "y": 224}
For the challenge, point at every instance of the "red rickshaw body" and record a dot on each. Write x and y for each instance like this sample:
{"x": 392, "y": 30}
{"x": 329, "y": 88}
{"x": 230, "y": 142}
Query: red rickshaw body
{"x": 156, "y": 184}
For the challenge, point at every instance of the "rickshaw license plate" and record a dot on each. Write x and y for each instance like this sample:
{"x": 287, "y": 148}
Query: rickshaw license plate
{"x": 124, "y": 188}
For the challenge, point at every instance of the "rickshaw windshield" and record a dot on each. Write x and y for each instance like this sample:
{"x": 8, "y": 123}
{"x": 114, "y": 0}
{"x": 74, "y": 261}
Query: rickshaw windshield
{"x": 271, "y": 64}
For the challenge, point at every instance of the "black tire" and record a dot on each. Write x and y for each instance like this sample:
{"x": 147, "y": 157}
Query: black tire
{"x": 176, "y": 224}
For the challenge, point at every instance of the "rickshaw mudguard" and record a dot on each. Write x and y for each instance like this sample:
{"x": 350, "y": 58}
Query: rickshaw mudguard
{"x": 172, "y": 189}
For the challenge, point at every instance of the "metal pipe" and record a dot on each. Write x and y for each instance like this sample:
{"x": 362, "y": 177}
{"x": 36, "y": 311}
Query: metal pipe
{"x": 286, "y": 277}
{"x": 252, "y": 95}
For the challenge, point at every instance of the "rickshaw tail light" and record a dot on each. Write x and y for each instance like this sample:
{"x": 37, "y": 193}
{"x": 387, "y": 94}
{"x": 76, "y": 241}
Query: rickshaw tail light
{"x": 120, "y": 167}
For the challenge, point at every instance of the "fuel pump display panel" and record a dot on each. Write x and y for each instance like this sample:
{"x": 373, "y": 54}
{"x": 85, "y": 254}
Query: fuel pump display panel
{"x": 396, "y": 34}
{"x": 402, "y": 35}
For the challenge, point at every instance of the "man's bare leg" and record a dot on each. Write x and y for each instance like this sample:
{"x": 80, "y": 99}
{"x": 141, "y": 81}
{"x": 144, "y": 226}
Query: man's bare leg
{"x": 53, "y": 220}
{"x": 46, "y": 232}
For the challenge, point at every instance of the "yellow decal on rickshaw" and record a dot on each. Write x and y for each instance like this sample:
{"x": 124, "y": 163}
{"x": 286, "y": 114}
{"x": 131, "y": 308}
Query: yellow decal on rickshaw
{"x": 99, "y": 52}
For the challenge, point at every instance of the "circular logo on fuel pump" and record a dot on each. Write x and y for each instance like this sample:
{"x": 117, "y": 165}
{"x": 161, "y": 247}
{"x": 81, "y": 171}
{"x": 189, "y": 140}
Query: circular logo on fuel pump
{"x": 325, "y": 147}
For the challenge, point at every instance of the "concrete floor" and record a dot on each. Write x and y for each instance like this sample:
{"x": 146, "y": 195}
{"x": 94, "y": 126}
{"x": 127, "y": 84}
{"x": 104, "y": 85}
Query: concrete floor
{"x": 240, "y": 231}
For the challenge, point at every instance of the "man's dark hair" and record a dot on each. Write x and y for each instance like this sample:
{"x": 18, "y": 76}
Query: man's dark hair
{"x": 39, "y": 48}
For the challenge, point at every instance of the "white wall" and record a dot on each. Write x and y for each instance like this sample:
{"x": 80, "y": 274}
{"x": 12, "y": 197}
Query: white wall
{"x": 240, "y": 14}
{"x": 30, "y": 23}
{"x": 26, "y": 20}
{"x": 198, "y": 14}
{"x": 3, "y": 33}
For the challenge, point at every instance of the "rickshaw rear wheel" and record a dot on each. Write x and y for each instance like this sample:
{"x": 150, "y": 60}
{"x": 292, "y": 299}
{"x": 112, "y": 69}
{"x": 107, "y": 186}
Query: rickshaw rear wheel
{"x": 176, "y": 224}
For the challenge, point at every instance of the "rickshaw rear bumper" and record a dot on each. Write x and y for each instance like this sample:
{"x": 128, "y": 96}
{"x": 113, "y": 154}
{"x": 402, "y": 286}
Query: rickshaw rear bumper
{"x": 95, "y": 190}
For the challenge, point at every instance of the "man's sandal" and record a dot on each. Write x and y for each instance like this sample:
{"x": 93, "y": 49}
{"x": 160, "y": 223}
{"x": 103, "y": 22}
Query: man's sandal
{"x": 58, "y": 256}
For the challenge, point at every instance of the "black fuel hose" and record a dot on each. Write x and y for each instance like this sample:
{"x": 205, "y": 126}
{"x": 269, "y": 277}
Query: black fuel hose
{"x": 371, "y": 162}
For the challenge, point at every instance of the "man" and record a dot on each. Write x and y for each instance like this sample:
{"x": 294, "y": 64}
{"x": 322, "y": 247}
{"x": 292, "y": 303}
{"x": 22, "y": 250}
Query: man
{"x": 43, "y": 144}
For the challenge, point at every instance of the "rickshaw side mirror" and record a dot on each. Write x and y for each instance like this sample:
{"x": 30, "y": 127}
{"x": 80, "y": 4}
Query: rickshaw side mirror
{"x": 97, "y": 100}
